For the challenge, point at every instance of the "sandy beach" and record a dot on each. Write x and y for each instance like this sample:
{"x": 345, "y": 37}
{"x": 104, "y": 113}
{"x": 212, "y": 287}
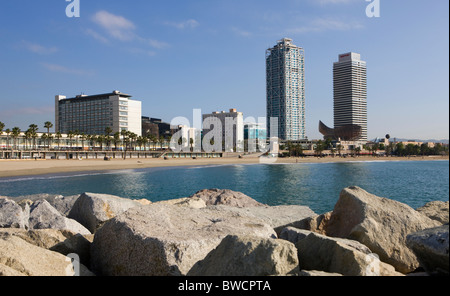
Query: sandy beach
{"x": 13, "y": 168}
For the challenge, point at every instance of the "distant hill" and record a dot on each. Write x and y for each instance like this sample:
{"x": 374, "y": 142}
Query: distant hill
{"x": 418, "y": 140}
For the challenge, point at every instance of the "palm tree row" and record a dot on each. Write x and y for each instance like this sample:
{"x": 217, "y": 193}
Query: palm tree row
{"x": 128, "y": 140}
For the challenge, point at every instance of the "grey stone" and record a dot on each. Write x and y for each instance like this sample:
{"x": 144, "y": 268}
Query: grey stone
{"x": 436, "y": 210}
{"x": 44, "y": 216}
{"x": 248, "y": 256}
{"x": 161, "y": 240}
{"x": 379, "y": 223}
{"x": 431, "y": 247}
{"x": 278, "y": 217}
{"x": 293, "y": 235}
{"x": 338, "y": 255}
{"x": 93, "y": 210}
{"x": 12, "y": 215}
{"x": 22, "y": 258}
{"x": 226, "y": 197}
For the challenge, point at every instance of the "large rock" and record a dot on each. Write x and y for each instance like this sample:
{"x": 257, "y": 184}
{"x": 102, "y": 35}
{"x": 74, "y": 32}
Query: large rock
{"x": 431, "y": 247}
{"x": 12, "y": 215}
{"x": 338, "y": 255}
{"x": 278, "y": 217}
{"x": 43, "y": 238}
{"x": 248, "y": 256}
{"x": 379, "y": 223}
{"x": 293, "y": 235}
{"x": 214, "y": 197}
{"x": 436, "y": 210}
{"x": 17, "y": 257}
{"x": 160, "y": 240}
{"x": 316, "y": 223}
{"x": 93, "y": 210}
{"x": 196, "y": 203}
{"x": 44, "y": 216}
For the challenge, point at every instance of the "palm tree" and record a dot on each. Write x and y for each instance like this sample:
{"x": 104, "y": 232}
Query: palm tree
{"x": 15, "y": 134}
{"x": 83, "y": 138}
{"x": 70, "y": 134}
{"x": 58, "y": 137}
{"x": 7, "y": 132}
{"x": 116, "y": 139}
{"x": 2, "y": 126}
{"x": 27, "y": 136}
{"x": 339, "y": 149}
{"x": 191, "y": 142}
{"x": 48, "y": 125}
{"x": 33, "y": 128}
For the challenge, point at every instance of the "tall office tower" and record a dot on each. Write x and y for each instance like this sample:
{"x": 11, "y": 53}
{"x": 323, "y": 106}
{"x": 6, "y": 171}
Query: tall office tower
{"x": 93, "y": 114}
{"x": 350, "y": 92}
{"x": 285, "y": 75}
{"x": 230, "y": 133}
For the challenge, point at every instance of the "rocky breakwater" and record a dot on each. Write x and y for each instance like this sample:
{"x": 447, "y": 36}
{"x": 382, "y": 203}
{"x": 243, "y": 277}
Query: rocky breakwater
{"x": 219, "y": 232}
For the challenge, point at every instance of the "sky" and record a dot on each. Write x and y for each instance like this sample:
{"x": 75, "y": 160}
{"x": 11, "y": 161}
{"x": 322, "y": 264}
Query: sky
{"x": 176, "y": 56}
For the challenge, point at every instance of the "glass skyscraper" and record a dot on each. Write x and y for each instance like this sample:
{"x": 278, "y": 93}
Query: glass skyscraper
{"x": 285, "y": 74}
{"x": 350, "y": 92}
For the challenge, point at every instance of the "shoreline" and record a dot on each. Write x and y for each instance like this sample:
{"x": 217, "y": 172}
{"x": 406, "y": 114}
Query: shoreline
{"x": 18, "y": 168}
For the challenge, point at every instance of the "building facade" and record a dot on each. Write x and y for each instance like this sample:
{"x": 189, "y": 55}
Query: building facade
{"x": 93, "y": 114}
{"x": 350, "y": 93}
{"x": 285, "y": 77}
{"x": 230, "y": 130}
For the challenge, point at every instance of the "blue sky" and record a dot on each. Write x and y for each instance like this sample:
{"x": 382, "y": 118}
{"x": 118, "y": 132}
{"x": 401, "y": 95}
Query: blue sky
{"x": 175, "y": 56}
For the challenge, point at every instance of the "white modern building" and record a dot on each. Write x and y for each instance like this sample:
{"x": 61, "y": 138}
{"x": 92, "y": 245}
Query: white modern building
{"x": 93, "y": 114}
{"x": 350, "y": 92}
{"x": 285, "y": 75}
{"x": 225, "y": 128}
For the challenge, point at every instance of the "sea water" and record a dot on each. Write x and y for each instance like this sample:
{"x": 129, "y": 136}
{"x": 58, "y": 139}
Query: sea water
{"x": 316, "y": 185}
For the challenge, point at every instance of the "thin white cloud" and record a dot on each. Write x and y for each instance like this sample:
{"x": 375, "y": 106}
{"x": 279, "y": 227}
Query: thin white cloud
{"x": 39, "y": 49}
{"x": 240, "y": 32}
{"x": 97, "y": 36}
{"x": 119, "y": 28}
{"x": 157, "y": 44}
{"x": 326, "y": 24}
{"x": 116, "y": 26}
{"x": 189, "y": 24}
{"x": 62, "y": 69}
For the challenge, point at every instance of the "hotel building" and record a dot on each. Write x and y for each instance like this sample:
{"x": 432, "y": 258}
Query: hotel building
{"x": 285, "y": 76}
{"x": 93, "y": 114}
{"x": 350, "y": 93}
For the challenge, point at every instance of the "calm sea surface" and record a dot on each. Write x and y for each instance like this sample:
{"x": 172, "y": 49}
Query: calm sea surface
{"x": 315, "y": 185}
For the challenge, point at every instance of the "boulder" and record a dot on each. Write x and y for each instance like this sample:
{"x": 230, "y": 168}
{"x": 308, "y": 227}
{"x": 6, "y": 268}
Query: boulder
{"x": 77, "y": 244}
{"x": 248, "y": 256}
{"x": 213, "y": 197}
{"x": 161, "y": 240}
{"x": 431, "y": 247}
{"x": 93, "y": 210}
{"x": 278, "y": 217}
{"x": 338, "y": 255}
{"x": 44, "y": 216}
{"x": 196, "y": 203}
{"x": 317, "y": 273}
{"x": 436, "y": 210}
{"x": 12, "y": 215}
{"x": 43, "y": 238}
{"x": 379, "y": 223}
{"x": 293, "y": 235}
{"x": 17, "y": 257}
{"x": 316, "y": 223}
{"x": 63, "y": 204}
